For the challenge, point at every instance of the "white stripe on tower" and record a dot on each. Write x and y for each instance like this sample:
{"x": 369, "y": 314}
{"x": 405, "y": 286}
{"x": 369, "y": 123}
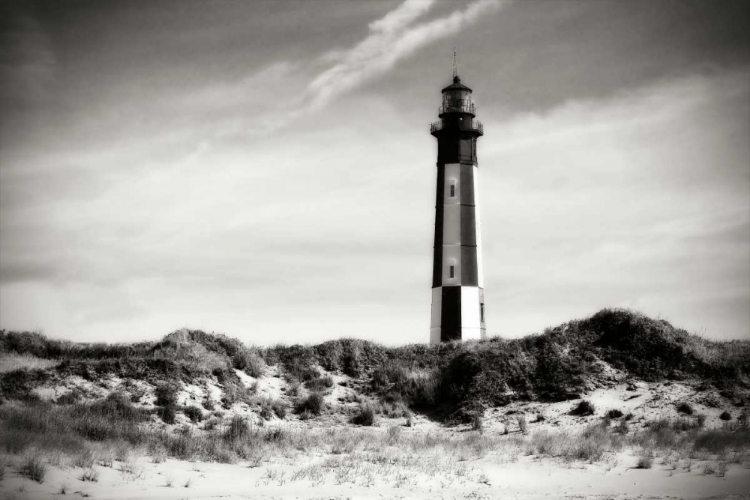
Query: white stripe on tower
{"x": 471, "y": 325}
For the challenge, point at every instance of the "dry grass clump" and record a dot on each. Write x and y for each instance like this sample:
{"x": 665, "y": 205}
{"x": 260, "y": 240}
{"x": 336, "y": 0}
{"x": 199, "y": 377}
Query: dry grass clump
{"x": 319, "y": 384}
{"x": 313, "y": 404}
{"x": 250, "y": 362}
{"x": 33, "y": 467}
{"x": 588, "y": 445}
{"x": 91, "y": 475}
{"x": 193, "y": 413}
{"x": 365, "y": 415}
{"x": 270, "y": 407}
{"x": 11, "y": 362}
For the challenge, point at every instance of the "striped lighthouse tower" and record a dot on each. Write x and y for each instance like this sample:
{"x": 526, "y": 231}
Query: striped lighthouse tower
{"x": 457, "y": 287}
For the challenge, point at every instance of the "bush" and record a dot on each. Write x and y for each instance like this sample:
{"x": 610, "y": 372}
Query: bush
{"x": 193, "y": 413}
{"x": 34, "y": 468}
{"x": 319, "y": 384}
{"x": 365, "y": 416}
{"x": 166, "y": 394}
{"x": 279, "y": 408}
{"x": 168, "y": 414}
{"x": 249, "y": 362}
{"x": 644, "y": 463}
{"x": 238, "y": 429}
{"x": 614, "y": 414}
{"x": 270, "y": 407}
{"x": 477, "y": 424}
{"x": 685, "y": 408}
{"x": 584, "y": 408}
{"x": 725, "y": 416}
{"x": 313, "y": 404}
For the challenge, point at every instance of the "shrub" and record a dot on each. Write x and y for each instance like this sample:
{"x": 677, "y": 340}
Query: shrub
{"x": 234, "y": 393}
{"x": 69, "y": 398}
{"x": 644, "y": 463}
{"x": 237, "y": 430}
{"x": 319, "y": 384}
{"x": 685, "y": 408}
{"x": 270, "y": 407}
{"x": 166, "y": 394}
{"x": 193, "y": 413}
{"x": 279, "y": 408}
{"x": 614, "y": 414}
{"x": 365, "y": 416}
{"x": 720, "y": 441}
{"x": 300, "y": 369}
{"x": 34, "y": 468}
{"x": 168, "y": 414}
{"x": 249, "y": 362}
{"x": 477, "y": 423}
{"x": 313, "y": 404}
{"x": 725, "y": 416}
{"x": 584, "y": 408}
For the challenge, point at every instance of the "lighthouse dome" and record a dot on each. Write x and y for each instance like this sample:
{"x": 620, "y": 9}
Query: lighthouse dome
{"x": 456, "y": 86}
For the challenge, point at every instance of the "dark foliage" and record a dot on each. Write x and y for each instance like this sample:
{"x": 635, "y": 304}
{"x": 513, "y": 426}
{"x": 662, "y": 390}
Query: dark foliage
{"x": 18, "y": 384}
{"x": 193, "y": 413}
{"x": 168, "y": 414}
{"x": 614, "y": 414}
{"x": 365, "y": 416}
{"x": 319, "y": 384}
{"x": 166, "y": 394}
{"x": 451, "y": 380}
{"x": 583, "y": 409}
{"x": 725, "y": 416}
{"x": 313, "y": 404}
{"x": 685, "y": 408}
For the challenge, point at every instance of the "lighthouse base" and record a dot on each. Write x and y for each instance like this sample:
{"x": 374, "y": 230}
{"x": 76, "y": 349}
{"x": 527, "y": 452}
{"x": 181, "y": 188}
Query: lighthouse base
{"x": 457, "y": 314}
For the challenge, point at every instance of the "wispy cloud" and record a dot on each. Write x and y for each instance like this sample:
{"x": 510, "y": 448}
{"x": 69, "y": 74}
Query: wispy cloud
{"x": 391, "y": 39}
{"x": 304, "y": 87}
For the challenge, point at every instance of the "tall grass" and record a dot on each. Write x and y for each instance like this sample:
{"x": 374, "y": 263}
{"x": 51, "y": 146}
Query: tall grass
{"x": 451, "y": 381}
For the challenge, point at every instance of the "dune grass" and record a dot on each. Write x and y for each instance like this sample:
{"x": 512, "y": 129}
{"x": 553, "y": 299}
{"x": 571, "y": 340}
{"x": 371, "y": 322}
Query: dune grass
{"x": 451, "y": 381}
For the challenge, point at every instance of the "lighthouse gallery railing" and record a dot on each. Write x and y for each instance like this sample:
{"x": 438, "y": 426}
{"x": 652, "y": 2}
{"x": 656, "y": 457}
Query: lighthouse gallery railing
{"x": 473, "y": 125}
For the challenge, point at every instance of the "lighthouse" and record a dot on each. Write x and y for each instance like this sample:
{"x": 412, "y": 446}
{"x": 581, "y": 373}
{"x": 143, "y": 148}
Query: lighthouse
{"x": 457, "y": 286}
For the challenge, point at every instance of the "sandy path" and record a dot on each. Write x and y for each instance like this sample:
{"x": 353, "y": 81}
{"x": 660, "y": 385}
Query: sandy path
{"x": 527, "y": 478}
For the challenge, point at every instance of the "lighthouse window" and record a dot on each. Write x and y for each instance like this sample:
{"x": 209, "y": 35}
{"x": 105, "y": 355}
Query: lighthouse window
{"x": 481, "y": 312}
{"x": 452, "y": 271}
{"x": 453, "y": 190}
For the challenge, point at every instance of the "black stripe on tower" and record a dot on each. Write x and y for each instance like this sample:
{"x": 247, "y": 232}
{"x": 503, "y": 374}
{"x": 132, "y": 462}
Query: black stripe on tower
{"x": 437, "y": 257}
{"x": 469, "y": 271}
{"x": 450, "y": 314}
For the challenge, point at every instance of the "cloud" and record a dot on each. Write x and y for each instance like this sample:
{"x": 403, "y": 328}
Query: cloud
{"x": 401, "y": 16}
{"x": 639, "y": 200}
{"x": 390, "y": 40}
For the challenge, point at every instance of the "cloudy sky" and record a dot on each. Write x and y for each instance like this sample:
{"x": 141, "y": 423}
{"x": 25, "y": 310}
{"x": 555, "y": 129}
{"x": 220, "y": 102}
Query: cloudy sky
{"x": 265, "y": 169}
